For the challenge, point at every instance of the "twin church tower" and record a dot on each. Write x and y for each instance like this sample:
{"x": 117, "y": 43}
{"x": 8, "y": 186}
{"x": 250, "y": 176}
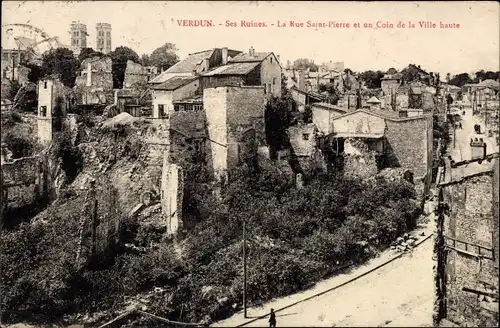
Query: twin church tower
{"x": 79, "y": 37}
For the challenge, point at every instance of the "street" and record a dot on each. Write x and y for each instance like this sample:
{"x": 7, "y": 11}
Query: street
{"x": 398, "y": 294}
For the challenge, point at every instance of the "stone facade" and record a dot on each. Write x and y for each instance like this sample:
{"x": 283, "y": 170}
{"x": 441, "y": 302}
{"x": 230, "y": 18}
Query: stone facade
{"x": 235, "y": 124}
{"x": 94, "y": 85}
{"x": 22, "y": 183}
{"x": 54, "y": 102}
{"x": 172, "y": 191}
{"x": 136, "y": 75}
{"x": 470, "y": 232}
{"x": 407, "y": 143}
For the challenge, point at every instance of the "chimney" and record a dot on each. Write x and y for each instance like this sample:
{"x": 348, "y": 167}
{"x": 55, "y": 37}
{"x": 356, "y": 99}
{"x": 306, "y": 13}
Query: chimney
{"x": 224, "y": 56}
{"x": 278, "y": 57}
{"x": 206, "y": 64}
{"x": 251, "y": 52}
{"x": 288, "y": 63}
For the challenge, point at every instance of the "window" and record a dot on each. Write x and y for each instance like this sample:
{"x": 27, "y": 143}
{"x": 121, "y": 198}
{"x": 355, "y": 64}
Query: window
{"x": 265, "y": 87}
{"x": 43, "y": 111}
{"x": 176, "y": 108}
{"x": 269, "y": 88}
{"x": 161, "y": 110}
{"x": 305, "y": 136}
{"x": 108, "y": 34}
{"x": 271, "y": 58}
{"x": 181, "y": 107}
{"x": 274, "y": 80}
{"x": 197, "y": 107}
{"x": 189, "y": 106}
{"x": 45, "y": 85}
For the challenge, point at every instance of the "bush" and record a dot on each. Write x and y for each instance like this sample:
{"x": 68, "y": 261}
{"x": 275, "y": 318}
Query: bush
{"x": 19, "y": 146}
{"x": 69, "y": 154}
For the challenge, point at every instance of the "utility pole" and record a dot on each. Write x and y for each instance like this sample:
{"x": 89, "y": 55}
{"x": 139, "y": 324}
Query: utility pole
{"x": 244, "y": 270}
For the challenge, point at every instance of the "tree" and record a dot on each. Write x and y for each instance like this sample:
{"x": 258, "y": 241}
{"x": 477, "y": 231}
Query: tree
{"x": 88, "y": 53}
{"x": 489, "y": 75}
{"x": 373, "y": 79}
{"x": 448, "y": 77}
{"x": 164, "y": 56}
{"x": 304, "y": 64}
{"x": 277, "y": 119}
{"x": 120, "y": 57}
{"x": 61, "y": 62}
{"x": 461, "y": 79}
{"x": 36, "y": 72}
{"x": 145, "y": 60}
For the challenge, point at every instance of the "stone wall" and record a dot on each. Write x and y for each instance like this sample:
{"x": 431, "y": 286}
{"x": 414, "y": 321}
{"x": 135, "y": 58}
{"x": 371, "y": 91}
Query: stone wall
{"x": 471, "y": 220}
{"x": 359, "y": 160}
{"x": 94, "y": 85}
{"x": 409, "y": 145}
{"x": 245, "y": 121}
{"x": 359, "y": 123}
{"x": 135, "y": 75}
{"x": 22, "y": 183}
{"x": 172, "y": 191}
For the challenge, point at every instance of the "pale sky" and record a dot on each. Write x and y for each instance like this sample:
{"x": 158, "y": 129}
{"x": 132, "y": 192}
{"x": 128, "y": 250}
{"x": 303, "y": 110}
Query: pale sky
{"x": 144, "y": 26}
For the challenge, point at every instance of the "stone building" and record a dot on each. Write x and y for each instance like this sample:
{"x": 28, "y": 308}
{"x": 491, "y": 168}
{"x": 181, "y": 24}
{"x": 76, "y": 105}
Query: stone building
{"x": 252, "y": 69}
{"x": 235, "y": 125}
{"x": 54, "y": 102}
{"x": 467, "y": 268}
{"x": 222, "y": 66}
{"x": 304, "y": 154}
{"x": 390, "y": 83}
{"x": 174, "y": 90}
{"x": 399, "y": 142}
{"x": 94, "y": 85}
{"x": 196, "y": 63}
{"x": 323, "y": 114}
{"x": 103, "y": 37}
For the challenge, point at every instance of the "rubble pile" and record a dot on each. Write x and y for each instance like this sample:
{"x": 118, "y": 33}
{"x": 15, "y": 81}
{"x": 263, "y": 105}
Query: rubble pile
{"x": 404, "y": 243}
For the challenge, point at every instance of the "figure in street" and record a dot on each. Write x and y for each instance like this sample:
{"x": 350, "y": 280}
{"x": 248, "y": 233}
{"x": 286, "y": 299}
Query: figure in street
{"x": 272, "y": 319}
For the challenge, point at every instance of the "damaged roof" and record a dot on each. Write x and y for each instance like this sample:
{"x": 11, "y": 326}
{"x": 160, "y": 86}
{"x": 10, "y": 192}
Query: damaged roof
{"x": 246, "y": 58}
{"x": 233, "y": 69}
{"x": 175, "y": 83}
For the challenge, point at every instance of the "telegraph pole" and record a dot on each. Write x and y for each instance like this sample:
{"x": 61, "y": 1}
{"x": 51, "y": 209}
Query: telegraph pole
{"x": 244, "y": 270}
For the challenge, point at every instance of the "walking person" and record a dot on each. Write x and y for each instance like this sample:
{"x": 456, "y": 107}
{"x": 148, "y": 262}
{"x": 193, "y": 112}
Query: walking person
{"x": 272, "y": 319}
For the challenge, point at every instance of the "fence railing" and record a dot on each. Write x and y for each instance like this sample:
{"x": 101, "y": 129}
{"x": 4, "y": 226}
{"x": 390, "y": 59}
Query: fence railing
{"x": 469, "y": 248}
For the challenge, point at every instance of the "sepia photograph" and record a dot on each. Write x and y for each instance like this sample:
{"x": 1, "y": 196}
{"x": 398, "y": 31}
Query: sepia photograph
{"x": 249, "y": 164}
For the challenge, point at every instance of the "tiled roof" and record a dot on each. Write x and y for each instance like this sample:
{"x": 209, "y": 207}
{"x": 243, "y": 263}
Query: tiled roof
{"x": 233, "y": 69}
{"x": 246, "y": 58}
{"x": 174, "y": 83}
{"x": 191, "y": 62}
{"x": 187, "y": 65}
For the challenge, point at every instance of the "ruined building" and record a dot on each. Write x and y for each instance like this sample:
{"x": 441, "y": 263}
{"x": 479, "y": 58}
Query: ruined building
{"x": 94, "y": 84}
{"x": 103, "y": 37}
{"x": 235, "y": 124}
{"x": 79, "y": 35}
{"x": 136, "y": 75}
{"x": 370, "y": 142}
{"x": 55, "y": 100}
{"x": 467, "y": 248}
